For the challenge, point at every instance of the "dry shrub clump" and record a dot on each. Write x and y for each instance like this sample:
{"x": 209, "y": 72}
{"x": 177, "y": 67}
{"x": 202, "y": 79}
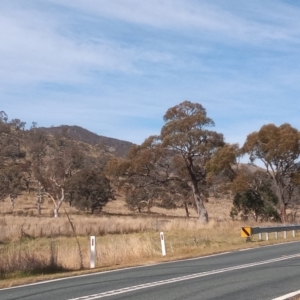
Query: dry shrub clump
{"x": 23, "y": 258}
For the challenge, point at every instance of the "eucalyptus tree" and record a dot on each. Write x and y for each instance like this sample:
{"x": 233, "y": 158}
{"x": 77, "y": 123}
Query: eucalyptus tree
{"x": 180, "y": 153}
{"x": 13, "y": 167}
{"x": 187, "y": 133}
{"x": 253, "y": 195}
{"x": 278, "y": 148}
{"x": 143, "y": 175}
{"x": 55, "y": 161}
{"x": 90, "y": 190}
{"x": 38, "y": 145}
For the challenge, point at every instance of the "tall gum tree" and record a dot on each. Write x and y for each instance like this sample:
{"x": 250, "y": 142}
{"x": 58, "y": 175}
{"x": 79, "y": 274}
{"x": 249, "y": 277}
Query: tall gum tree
{"x": 186, "y": 132}
{"x": 279, "y": 150}
{"x": 180, "y": 155}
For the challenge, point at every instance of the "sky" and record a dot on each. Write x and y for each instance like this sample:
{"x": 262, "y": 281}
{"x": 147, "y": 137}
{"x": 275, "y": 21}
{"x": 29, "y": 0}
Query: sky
{"x": 114, "y": 67}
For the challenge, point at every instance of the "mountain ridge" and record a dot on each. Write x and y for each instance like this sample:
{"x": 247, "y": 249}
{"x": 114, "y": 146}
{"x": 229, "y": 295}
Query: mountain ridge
{"x": 112, "y": 145}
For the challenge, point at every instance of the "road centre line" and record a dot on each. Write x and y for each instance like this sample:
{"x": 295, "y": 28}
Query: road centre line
{"x": 183, "y": 278}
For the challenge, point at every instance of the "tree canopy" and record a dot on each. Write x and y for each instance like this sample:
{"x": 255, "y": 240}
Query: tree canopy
{"x": 32, "y": 160}
{"x": 180, "y": 153}
{"x": 253, "y": 195}
{"x": 90, "y": 190}
{"x": 181, "y": 167}
{"x": 278, "y": 147}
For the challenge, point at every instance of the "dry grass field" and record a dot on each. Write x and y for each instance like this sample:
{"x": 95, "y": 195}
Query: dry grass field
{"x": 25, "y": 205}
{"x": 37, "y": 247}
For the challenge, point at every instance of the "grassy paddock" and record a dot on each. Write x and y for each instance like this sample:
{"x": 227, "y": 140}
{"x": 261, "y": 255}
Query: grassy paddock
{"x": 36, "y": 246}
{"x": 13, "y": 228}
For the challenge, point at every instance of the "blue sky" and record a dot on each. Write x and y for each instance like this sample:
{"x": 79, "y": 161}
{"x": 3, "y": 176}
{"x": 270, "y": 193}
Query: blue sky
{"x": 115, "y": 66}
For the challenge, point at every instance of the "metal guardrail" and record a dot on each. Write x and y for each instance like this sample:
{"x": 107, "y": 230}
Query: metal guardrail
{"x": 247, "y": 232}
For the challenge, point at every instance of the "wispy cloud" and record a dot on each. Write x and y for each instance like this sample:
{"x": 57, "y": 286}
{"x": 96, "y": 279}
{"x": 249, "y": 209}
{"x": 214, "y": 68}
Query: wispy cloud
{"x": 115, "y": 67}
{"x": 250, "y": 21}
{"x": 37, "y": 49}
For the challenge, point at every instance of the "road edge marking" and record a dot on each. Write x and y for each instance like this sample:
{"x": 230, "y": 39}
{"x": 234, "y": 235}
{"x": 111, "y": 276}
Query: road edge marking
{"x": 142, "y": 266}
{"x": 179, "y": 279}
{"x": 287, "y": 296}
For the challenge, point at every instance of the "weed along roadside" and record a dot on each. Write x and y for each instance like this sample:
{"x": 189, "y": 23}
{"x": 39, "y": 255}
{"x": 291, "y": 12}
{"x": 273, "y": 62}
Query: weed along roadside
{"x": 31, "y": 257}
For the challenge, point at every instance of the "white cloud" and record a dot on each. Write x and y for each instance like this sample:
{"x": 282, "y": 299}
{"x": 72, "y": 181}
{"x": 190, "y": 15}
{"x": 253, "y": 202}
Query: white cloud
{"x": 248, "y": 22}
{"x": 115, "y": 67}
{"x": 35, "y": 50}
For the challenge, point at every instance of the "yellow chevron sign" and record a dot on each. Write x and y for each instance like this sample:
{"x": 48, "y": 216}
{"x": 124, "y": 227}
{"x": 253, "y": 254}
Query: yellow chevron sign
{"x": 246, "y": 232}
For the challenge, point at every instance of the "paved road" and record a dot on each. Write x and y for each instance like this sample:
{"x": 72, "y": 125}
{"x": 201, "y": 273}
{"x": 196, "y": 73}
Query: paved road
{"x": 262, "y": 273}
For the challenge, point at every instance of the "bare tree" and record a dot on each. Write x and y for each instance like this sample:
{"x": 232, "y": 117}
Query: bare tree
{"x": 56, "y": 161}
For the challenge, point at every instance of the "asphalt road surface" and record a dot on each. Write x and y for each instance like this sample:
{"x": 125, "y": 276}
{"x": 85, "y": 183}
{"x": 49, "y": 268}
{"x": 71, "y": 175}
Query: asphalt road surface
{"x": 261, "y": 273}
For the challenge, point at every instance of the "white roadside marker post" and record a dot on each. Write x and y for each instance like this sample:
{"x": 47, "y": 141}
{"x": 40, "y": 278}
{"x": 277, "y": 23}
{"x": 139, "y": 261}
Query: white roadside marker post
{"x": 93, "y": 252}
{"x": 163, "y": 246}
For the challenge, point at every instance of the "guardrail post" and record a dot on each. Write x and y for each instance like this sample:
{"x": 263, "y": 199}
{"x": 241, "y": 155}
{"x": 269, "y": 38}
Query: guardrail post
{"x": 294, "y": 233}
{"x": 276, "y": 235}
{"x": 259, "y": 236}
{"x": 284, "y": 234}
{"x": 267, "y": 236}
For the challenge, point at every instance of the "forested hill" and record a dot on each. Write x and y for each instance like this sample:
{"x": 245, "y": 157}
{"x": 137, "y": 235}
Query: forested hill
{"x": 115, "y": 146}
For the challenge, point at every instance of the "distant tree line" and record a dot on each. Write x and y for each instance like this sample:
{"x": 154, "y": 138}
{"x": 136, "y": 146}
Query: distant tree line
{"x": 182, "y": 167}
{"x": 189, "y": 161}
{"x": 50, "y": 166}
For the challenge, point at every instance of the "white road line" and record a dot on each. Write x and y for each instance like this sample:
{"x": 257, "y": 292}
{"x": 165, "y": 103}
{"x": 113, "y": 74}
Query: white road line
{"x": 141, "y": 266}
{"x": 287, "y": 296}
{"x": 118, "y": 270}
{"x": 177, "y": 279}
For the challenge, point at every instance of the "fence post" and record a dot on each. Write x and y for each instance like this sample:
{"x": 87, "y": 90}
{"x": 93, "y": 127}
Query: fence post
{"x": 163, "y": 246}
{"x": 93, "y": 252}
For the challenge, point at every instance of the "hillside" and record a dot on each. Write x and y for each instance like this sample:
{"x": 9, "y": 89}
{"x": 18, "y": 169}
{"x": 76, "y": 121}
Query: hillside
{"x": 114, "y": 146}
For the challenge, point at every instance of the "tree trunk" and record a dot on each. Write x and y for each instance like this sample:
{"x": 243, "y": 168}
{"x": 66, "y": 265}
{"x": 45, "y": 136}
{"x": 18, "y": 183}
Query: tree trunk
{"x": 202, "y": 212}
{"x": 203, "y": 215}
{"x": 57, "y": 207}
{"x": 12, "y": 202}
{"x": 38, "y": 207}
{"x": 283, "y": 215}
{"x": 57, "y": 203}
{"x": 38, "y": 203}
{"x": 186, "y": 209}
{"x": 55, "y": 211}
{"x": 282, "y": 205}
